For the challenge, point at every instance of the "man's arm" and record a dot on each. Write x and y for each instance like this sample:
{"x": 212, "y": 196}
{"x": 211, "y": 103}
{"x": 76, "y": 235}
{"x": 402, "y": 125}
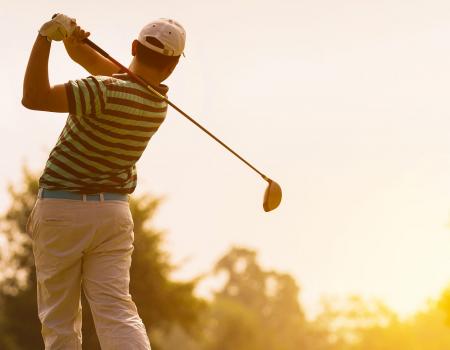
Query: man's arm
{"x": 37, "y": 92}
{"x": 86, "y": 56}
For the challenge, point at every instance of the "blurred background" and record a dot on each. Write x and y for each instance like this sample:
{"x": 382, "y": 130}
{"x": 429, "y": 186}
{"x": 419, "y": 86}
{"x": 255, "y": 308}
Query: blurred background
{"x": 344, "y": 103}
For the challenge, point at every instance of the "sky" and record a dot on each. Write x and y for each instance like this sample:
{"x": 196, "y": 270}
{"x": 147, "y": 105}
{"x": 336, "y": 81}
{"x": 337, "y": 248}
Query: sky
{"x": 343, "y": 103}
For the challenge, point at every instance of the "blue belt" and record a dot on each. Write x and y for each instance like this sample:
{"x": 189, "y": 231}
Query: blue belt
{"x": 107, "y": 196}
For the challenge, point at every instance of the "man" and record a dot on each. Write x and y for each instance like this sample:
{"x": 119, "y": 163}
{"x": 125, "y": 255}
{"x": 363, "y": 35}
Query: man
{"x": 81, "y": 226}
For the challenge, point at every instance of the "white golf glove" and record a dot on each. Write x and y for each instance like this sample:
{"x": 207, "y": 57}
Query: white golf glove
{"x": 58, "y": 28}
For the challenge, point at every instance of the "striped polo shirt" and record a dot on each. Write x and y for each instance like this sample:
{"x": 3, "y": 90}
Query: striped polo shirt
{"x": 110, "y": 122}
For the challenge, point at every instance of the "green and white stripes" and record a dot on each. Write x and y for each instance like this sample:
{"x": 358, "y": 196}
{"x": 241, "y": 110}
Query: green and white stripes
{"x": 110, "y": 123}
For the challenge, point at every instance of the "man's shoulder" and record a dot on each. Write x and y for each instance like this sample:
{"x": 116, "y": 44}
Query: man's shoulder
{"x": 117, "y": 80}
{"x": 105, "y": 79}
{"x": 123, "y": 84}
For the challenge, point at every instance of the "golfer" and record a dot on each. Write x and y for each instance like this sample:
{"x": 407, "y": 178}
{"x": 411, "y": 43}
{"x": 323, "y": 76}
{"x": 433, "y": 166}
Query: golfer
{"x": 81, "y": 226}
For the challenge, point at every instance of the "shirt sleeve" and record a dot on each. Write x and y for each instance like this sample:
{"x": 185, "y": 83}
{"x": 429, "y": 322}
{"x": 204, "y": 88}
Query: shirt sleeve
{"x": 86, "y": 97}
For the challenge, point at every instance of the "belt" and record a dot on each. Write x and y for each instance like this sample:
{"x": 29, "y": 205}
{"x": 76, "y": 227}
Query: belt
{"x": 57, "y": 194}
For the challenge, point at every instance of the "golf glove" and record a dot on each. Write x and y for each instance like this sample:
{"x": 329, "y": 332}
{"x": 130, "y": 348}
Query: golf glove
{"x": 58, "y": 28}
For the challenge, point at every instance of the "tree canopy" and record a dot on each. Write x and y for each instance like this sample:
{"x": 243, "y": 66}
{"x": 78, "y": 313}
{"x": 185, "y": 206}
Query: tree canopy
{"x": 256, "y": 308}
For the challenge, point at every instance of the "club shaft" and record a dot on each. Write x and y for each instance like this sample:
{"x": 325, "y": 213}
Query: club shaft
{"x": 179, "y": 110}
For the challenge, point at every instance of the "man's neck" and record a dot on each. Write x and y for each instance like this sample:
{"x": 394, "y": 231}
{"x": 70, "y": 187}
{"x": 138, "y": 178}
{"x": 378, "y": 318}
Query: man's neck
{"x": 148, "y": 75}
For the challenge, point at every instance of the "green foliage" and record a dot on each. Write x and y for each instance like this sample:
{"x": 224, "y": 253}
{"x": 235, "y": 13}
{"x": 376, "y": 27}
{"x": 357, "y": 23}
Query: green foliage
{"x": 359, "y": 324}
{"x": 425, "y": 331}
{"x": 19, "y": 325}
{"x": 163, "y": 302}
{"x": 234, "y": 326}
{"x": 257, "y": 309}
{"x": 17, "y": 260}
{"x": 349, "y": 317}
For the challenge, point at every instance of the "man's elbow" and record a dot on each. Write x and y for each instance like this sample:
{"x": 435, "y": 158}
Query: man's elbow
{"x": 52, "y": 100}
{"x": 33, "y": 103}
{"x": 28, "y": 103}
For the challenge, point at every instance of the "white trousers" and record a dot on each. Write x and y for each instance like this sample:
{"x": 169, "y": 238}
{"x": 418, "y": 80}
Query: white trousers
{"x": 85, "y": 245}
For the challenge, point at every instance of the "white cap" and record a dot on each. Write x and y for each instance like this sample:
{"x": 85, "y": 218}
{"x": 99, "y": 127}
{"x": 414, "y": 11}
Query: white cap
{"x": 169, "y": 32}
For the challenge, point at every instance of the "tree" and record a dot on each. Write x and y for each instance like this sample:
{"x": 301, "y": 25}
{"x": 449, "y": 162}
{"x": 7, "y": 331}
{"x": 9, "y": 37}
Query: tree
{"x": 350, "y": 318}
{"x": 162, "y": 303}
{"x": 258, "y": 309}
{"x": 20, "y": 326}
{"x": 359, "y": 324}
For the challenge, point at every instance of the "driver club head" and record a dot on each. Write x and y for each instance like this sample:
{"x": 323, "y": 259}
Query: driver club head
{"x": 272, "y": 196}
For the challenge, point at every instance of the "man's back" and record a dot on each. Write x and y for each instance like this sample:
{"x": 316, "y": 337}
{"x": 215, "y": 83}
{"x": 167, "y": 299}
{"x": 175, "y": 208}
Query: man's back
{"x": 110, "y": 123}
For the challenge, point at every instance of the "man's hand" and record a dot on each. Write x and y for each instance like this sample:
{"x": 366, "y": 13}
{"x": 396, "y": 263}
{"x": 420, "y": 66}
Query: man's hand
{"x": 87, "y": 57}
{"x": 58, "y": 28}
{"x": 76, "y": 39}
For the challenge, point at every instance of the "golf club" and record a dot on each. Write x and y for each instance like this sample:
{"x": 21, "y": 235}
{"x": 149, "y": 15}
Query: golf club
{"x": 273, "y": 193}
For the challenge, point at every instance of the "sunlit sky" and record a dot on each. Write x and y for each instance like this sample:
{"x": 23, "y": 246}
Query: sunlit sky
{"x": 344, "y": 103}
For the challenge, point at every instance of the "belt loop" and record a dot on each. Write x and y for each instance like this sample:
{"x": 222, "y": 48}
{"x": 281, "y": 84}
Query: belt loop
{"x": 40, "y": 192}
{"x": 84, "y": 197}
{"x": 102, "y": 197}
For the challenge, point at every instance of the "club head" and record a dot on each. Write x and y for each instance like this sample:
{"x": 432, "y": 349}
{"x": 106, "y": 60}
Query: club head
{"x": 272, "y": 196}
